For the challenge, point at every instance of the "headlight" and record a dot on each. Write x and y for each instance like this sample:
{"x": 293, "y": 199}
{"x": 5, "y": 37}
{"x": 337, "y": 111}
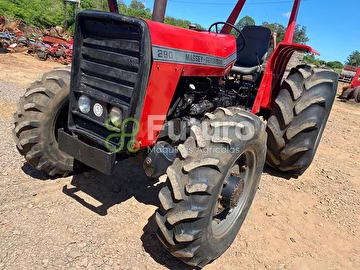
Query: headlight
{"x": 84, "y": 104}
{"x": 98, "y": 109}
{"x": 115, "y": 116}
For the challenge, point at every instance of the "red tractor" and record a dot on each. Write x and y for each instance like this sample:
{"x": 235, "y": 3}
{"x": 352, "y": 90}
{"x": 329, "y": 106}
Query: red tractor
{"x": 163, "y": 93}
{"x": 352, "y": 91}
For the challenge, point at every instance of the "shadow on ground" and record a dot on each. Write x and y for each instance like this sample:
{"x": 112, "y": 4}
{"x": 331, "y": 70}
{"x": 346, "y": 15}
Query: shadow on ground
{"x": 153, "y": 247}
{"x": 127, "y": 181}
{"x": 273, "y": 172}
{"x": 32, "y": 172}
{"x": 42, "y": 175}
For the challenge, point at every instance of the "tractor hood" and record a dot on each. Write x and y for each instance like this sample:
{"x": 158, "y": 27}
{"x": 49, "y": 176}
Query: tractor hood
{"x": 135, "y": 65}
{"x": 199, "y": 53}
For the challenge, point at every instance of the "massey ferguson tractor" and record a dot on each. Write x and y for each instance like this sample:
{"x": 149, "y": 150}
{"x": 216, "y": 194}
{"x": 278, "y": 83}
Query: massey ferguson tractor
{"x": 196, "y": 105}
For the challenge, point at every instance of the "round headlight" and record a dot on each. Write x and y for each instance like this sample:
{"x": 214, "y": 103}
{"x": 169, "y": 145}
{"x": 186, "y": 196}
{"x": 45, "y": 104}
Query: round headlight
{"x": 84, "y": 104}
{"x": 115, "y": 116}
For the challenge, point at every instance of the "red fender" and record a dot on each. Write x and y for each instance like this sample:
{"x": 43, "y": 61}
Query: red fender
{"x": 274, "y": 71}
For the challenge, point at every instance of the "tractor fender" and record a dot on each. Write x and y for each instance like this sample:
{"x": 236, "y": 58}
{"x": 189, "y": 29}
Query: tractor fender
{"x": 274, "y": 72}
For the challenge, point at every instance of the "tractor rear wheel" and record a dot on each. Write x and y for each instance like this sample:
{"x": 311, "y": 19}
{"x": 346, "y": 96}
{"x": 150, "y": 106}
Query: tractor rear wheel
{"x": 41, "y": 112}
{"x": 298, "y": 118}
{"x": 357, "y": 94}
{"x": 211, "y": 186}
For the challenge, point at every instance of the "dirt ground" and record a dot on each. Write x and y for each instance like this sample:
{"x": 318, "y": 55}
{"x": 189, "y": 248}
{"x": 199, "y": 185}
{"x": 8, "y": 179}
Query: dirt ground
{"x": 91, "y": 221}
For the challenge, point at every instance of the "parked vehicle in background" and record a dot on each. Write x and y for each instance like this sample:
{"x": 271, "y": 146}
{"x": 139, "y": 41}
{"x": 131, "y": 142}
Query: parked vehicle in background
{"x": 352, "y": 91}
{"x": 347, "y": 73}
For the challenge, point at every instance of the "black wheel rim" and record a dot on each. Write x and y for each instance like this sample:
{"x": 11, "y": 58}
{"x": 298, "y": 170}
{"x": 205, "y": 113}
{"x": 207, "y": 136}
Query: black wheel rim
{"x": 226, "y": 213}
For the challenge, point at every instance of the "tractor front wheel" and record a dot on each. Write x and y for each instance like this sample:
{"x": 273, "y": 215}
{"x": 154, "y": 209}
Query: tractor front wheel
{"x": 211, "y": 186}
{"x": 41, "y": 112}
{"x": 298, "y": 118}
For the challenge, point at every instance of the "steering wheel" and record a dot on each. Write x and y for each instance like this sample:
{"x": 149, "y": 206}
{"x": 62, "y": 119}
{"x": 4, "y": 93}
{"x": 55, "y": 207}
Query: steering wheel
{"x": 239, "y": 45}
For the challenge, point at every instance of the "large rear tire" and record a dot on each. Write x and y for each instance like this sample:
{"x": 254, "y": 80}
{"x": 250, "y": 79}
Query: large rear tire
{"x": 357, "y": 94}
{"x": 211, "y": 186}
{"x": 298, "y": 118}
{"x": 41, "y": 112}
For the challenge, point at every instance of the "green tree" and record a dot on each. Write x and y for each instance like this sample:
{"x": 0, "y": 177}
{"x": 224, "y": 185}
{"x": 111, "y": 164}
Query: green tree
{"x": 300, "y": 35}
{"x": 137, "y": 9}
{"x": 278, "y": 28}
{"x": 137, "y": 5}
{"x": 309, "y": 58}
{"x": 42, "y": 13}
{"x": 122, "y": 7}
{"x": 244, "y": 21}
{"x": 335, "y": 65}
{"x": 45, "y": 13}
{"x": 353, "y": 59}
{"x": 316, "y": 62}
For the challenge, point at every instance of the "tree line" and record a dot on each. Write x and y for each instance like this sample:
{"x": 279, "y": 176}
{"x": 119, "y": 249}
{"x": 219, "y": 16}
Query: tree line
{"x": 48, "y": 13}
{"x": 353, "y": 60}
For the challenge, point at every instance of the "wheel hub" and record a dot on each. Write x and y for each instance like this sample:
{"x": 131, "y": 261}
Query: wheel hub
{"x": 232, "y": 191}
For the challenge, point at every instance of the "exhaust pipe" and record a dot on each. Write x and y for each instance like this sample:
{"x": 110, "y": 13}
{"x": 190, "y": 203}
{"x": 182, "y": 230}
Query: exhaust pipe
{"x": 159, "y": 10}
{"x": 113, "y": 6}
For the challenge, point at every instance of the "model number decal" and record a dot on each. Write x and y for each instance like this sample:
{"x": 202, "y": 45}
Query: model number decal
{"x": 163, "y": 54}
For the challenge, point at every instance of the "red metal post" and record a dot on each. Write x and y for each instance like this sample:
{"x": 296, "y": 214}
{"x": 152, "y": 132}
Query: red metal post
{"x": 233, "y": 16}
{"x": 355, "y": 82}
{"x": 159, "y": 10}
{"x": 113, "y": 6}
{"x": 290, "y": 30}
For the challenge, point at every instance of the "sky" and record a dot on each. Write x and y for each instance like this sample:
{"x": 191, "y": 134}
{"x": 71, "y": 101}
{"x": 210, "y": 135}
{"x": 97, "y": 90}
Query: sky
{"x": 333, "y": 27}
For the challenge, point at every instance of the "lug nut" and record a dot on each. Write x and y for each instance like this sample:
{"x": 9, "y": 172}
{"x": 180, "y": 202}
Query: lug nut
{"x": 148, "y": 161}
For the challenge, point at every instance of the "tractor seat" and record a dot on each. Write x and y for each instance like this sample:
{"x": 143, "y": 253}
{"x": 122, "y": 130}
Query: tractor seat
{"x": 253, "y": 54}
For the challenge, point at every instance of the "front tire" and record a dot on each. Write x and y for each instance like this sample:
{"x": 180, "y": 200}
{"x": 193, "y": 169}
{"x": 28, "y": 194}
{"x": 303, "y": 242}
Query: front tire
{"x": 298, "y": 118}
{"x": 211, "y": 186}
{"x": 41, "y": 112}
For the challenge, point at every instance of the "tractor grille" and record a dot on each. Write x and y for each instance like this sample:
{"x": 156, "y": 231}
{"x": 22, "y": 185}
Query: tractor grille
{"x": 111, "y": 65}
